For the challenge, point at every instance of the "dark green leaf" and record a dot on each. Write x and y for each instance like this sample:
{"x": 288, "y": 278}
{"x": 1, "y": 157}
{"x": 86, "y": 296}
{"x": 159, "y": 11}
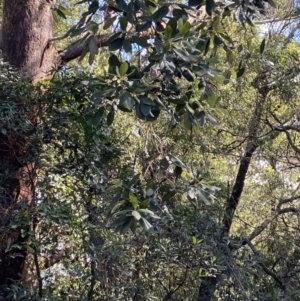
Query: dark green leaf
{"x": 143, "y": 26}
{"x": 114, "y": 37}
{"x": 160, "y": 13}
{"x": 177, "y": 172}
{"x": 164, "y": 164}
{"x": 122, "y": 4}
{"x": 110, "y": 118}
{"x": 97, "y": 118}
{"x": 126, "y": 102}
{"x": 60, "y": 13}
{"x": 272, "y": 3}
{"x": 125, "y": 227}
{"x": 116, "y": 44}
{"x": 109, "y": 22}
{"x": 207, "y": 46}
{"x": 147, "y": 101}
{"x": 188, "y": 75}
{"x": 195, "y": 2}
{"x": 91, "y": 58}
{"x": 240, "y": 72}
{"x": 173, "y": 24}
{"x": 114, "y": 63}
{"x": 210, "y": 6}
{"x": 180, "y": 13}
{"x": 123, "y": 22}
{"x": 127, "y": 46}
{"x": 139, "y": 41}
{"x": 262, "y": 46}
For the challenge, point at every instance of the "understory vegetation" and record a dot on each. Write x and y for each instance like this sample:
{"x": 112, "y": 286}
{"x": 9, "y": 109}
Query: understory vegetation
{"x": 164, "y": 166}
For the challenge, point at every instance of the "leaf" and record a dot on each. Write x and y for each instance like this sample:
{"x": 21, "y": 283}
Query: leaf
{"x": 168, "y": 32}
{"x": 166, "y": 47}
{"x": 110, "y": 118}
{"x": 212, "y": 119}
{"x": 227, "y": 75}
{"x": 177, "y": 172}
{"x": 127, "y": 46}
{"x": 184, "y": 30}
{"x": 123, "y": 22}
{"x": 240, "y": 72}
{"x": 185, "y": 55}
{"x": 116, "y": 44}
{"x": 136, "y": 215}
{"x": 210, "y": 6}
{"x": 195, "y": 2}
{"x": 139, "y": 41}
{"x": 146, "y": 225}
{"x": 149, "y": 212}
{"x": 187, "y": 120}
{"x": 91, "y": 58}
{"x": 179, "y": 13}
{"x": 143, "y": 26}
{"x": 147, "y": 101}
{"x": 125, "y": 227}
{"x": 60, "y": 13}
{"x": 173, "y": 24}
{"x": 83, "y": 54}
{"x": 93, "y": 47}
{"x": 97, "y": 118}
{"x": 122, "y": 4}
{"x": 177, "y": 162}
{"x": 109, "y": 22}
{"x": 133, "y": 200}
{"x": 126, "y": 102}
{"x": 160, "y": 13}
{"x": 188, "y": 76}
{"x": 207, "y": 46}
{"x": 134, "y": 180}
{"x": 164, "y": 164}
{"x": 272, "y": 3}
{"x": 65, "y": 10}
{"x": 123, "y": 68}
{"x": 92, "y": 27}
{"x": 262, "y": 46}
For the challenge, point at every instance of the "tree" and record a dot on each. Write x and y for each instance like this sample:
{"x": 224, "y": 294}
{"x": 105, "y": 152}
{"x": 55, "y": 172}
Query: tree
{"x": 181, "y": 49}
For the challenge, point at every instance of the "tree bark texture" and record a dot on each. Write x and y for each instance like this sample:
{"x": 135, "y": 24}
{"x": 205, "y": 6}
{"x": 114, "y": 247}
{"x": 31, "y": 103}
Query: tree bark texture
{"x": 26, "y": 31}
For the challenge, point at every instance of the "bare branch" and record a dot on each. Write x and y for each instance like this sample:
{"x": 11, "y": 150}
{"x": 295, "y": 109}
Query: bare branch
{"x": 259, "y": 229}
{"x": 288, "y": 200}
{"x": 265, "y": 269}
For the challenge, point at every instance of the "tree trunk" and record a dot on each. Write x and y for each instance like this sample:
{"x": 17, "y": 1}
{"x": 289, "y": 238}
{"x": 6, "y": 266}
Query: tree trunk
{"x": 26, "y": 31}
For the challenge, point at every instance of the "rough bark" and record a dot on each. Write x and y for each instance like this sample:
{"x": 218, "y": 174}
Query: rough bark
{"x": 26, "y": 31}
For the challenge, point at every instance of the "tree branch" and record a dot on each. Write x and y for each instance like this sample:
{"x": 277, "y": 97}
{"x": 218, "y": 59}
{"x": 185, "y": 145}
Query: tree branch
{"x": 265, "y": 269}
{"x": 258, "y": 230}
{"x": 75, "y": 49}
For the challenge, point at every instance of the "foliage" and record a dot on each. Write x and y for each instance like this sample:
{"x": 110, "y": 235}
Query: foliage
{"x": 128, "y": 209}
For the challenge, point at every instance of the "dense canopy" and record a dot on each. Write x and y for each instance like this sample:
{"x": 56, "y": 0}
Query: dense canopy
{"x": 149, "y": 150}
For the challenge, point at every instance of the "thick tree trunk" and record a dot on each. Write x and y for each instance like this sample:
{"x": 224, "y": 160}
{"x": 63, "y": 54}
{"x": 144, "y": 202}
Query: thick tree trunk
{"x": 26, "y": 31}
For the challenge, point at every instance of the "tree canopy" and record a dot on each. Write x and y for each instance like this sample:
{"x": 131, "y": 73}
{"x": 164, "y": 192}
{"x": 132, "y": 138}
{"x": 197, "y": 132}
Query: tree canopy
{"x": 149, "y": 150}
